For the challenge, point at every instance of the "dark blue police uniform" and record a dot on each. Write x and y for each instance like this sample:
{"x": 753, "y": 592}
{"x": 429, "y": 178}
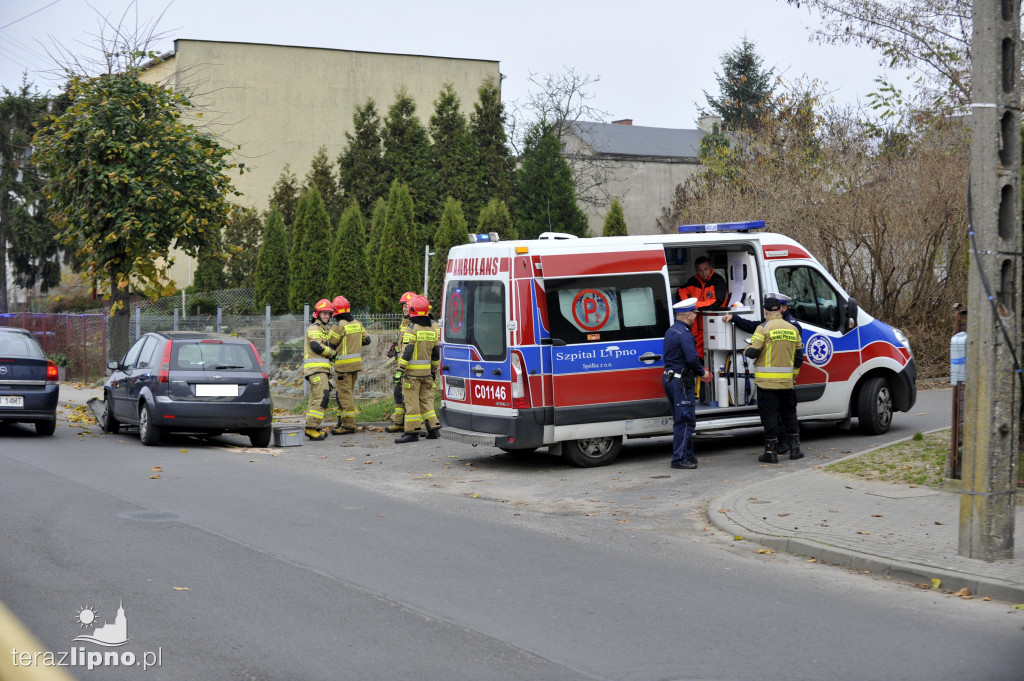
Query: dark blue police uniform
{"x": 682, "y": 366}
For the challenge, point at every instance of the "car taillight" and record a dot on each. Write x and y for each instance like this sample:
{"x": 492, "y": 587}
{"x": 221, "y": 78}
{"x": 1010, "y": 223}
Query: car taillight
{"x": 520, "y": 387}
{"x": 51, "y": 371}
{"x": 165, "y": 364}
{"x": 259, "y": 361}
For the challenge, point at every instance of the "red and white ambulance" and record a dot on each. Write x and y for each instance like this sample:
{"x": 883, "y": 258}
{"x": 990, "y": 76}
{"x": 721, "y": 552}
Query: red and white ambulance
{"x": 558, "y": 341}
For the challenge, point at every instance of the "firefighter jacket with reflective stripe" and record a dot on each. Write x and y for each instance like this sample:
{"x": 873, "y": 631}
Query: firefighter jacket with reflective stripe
{"x": 421, "y": 353}
{"x": 315, "y": 360}
{"x": 403, "y": 328}
{"x": 348, "y": 338}
{"x": 777, "y": 351}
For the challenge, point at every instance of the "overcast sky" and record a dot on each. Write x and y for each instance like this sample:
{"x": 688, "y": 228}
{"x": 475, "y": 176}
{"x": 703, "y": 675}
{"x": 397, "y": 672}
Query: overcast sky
{"x": 654, "y": 58}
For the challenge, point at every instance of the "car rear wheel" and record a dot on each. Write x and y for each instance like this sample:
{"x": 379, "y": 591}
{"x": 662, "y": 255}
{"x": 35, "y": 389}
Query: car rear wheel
{"x": 148, "y": 432}
{"x": 109, "y": 424}
{"x": 46, "y": 427}
{"x": 874, "y": 406}
{"x": 261, "y": 436}
{"x": 597, "y": 451}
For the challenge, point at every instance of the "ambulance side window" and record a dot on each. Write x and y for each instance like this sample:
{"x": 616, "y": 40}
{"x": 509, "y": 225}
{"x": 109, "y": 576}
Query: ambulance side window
{"x": 814, "y": 300}
{"x": 607, "y": 308}
{"x": 474, "y": 314}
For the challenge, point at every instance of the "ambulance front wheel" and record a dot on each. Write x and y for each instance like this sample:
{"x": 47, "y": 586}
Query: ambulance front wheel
{"x": 874, "y": 406}
{"x": 597, "y": 451}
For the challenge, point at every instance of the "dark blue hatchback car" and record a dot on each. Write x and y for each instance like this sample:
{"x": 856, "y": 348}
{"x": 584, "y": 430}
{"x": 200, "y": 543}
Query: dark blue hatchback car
{"x": 189, "y": 382}
{"x": 29, "y": 384}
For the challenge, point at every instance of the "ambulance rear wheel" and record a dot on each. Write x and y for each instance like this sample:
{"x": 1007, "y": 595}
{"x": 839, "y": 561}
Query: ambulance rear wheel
{"x": 874, "y": 406}
{"x": 597, "y": 451}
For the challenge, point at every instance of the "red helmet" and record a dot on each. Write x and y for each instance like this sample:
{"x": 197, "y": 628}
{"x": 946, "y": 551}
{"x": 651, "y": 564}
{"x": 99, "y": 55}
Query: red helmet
{"x": 341, "y": 305}
{"x": 321, "y": 305}
{"x": 406, "y": 297}
{"x": 419, "y": 306}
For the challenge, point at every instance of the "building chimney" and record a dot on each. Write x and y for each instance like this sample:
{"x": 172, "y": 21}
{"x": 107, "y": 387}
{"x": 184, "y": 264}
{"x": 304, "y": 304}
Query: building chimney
{"x": 707, "y": 123}
{"x": 624, "y": 121}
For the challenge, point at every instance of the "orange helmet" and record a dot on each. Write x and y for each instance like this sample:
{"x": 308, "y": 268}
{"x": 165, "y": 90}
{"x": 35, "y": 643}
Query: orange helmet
{"x": 341, "y": 305}
{"x": 321, "y": 305}
{"x": 419, "y": 306}
{"x": 406, "y": 297}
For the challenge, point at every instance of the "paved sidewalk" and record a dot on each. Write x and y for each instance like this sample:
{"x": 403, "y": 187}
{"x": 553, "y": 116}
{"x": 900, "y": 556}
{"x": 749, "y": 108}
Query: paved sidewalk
{"x": 909, "y": 533}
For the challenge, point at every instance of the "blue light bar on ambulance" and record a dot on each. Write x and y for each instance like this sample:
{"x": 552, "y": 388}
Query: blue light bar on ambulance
{"x": 483, "y": 238}
{"x": 722, "y": 227}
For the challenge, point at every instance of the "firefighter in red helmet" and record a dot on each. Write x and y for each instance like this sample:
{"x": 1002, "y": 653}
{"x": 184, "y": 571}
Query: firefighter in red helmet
{"x": 418, "y": 364}
{"x": 347, "y": 337}
{"x": 398, "y": 416}
{"x": 316, "y": 368}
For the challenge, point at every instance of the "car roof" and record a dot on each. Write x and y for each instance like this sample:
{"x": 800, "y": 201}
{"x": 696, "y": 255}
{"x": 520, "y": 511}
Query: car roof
{"x": 16, "y": 329}
{"x": 198, "y": 335}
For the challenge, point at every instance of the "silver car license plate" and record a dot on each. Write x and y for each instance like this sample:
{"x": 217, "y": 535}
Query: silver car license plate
{"x": 216, "y": 390}
{"x": 12, "y": 401}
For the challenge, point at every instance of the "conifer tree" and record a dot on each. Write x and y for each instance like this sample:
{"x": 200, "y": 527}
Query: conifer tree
{"x": 450, "y": 147}
{"x": 745, "y": 88}
{"x": 209, "y": 275}
{"x": 495, "y": 167}
{"x": 321, "y": 175}
{"x": 285, "y": 198}
{"x": 398, "y": 269}
{"x": 348, "y": 275}
{"x": 545, "y": 197}
{"x": 295, "y": 250}
{"x": 407, "y": 157}
{"x": 361, "y": 165}
{"x": 242, "y": 241}
{"x": 615, "y": 221}
{"x": 453, "y": 231}
{"x": 309, "y": 274}
{"x": 373, "y": 249}
{"x": 271, "y": 285}
{"x": 494, "y": 217}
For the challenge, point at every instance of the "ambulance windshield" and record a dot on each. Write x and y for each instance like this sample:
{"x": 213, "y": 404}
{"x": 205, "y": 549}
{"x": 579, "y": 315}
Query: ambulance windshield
{"x": 474, "y": 314}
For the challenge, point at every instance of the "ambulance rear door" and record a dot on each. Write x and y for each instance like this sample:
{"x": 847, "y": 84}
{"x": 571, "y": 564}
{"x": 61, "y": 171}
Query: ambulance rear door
{"x": 608, "y": 312}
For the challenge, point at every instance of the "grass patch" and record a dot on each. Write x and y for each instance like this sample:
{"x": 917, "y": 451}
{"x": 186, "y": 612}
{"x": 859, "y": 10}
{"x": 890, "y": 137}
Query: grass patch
{"x": 920, "y": 461}
{"x": 370, "y": 411}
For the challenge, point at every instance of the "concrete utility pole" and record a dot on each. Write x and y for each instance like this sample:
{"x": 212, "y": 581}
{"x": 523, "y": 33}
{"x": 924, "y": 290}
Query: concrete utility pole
{"x": 993, "y": 326}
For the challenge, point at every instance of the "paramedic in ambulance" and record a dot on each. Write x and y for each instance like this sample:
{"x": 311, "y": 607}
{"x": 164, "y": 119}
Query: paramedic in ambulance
{"x": 682, "y": 365}
{"x": 711, "y": 292}
{"x": 777, "y": 352}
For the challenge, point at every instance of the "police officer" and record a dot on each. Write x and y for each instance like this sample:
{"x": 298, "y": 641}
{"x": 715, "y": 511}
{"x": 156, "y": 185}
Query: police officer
{"x": 777, "y": 352}
{"x": 398, "y": 416}
{"x": 418, "y": 365}
{"x": 347, "y": 338}
{"x": 316, "y": 368}
{"x": 749, "y": 325}
{"x": 682, "y": 365}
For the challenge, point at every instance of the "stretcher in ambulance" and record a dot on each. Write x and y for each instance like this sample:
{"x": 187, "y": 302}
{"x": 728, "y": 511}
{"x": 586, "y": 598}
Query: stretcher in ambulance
{"x": 558, "y": 341}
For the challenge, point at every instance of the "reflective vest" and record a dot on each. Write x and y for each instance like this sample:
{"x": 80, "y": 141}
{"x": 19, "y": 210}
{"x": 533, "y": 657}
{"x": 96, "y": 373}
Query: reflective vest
{"x": 421, "y": 354}
{"x": 313, "y": 362}
{"x": 347, "y": 338}
{"x": 778, "y": 341}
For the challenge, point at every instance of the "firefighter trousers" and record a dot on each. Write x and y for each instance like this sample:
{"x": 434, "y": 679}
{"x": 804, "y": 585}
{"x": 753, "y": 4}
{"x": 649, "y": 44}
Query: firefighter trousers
{"x": 419, "y": 403}
{"x": 319, "y": 394}
{"x": 345, "y": 383}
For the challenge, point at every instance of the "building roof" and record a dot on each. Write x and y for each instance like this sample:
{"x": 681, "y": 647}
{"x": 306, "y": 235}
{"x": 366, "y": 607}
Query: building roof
{"x": 636, "y": 140}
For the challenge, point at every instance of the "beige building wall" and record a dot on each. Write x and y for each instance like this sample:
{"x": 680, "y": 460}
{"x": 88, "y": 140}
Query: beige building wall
{"x": 643, "y": 188}
{"x": 277, "y": 105}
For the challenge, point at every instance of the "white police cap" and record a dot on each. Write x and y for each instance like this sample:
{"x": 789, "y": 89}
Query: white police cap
{"x": 688, "y": 305}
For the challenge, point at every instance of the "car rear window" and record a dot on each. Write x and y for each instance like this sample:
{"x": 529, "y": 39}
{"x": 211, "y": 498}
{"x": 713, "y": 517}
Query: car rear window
{"x": 17, "y": 345}
{"x": 213, "y": 357}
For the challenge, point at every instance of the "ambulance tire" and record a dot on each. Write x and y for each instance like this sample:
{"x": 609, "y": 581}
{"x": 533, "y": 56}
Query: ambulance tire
{"x": 592, "y": 452}
{"x": 874, "y": 406}
{"x": 523, "y": 450}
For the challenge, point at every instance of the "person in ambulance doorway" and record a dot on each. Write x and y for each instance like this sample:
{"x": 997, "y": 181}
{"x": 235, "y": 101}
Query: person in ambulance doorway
{"x": 418, "y": 364}
{"x": 749, "y": 325}
{"x": 398, "y": 415}
{"x": 682, "y": 365}
{"x": 709, "y": 288}
{"x": 777, "y": 352}
{"x": 316, "y": 368}
{"x": 347, "y": 338}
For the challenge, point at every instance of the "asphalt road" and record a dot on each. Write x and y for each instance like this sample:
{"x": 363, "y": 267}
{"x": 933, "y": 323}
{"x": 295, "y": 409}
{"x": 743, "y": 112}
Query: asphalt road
{"x": 359, "y": 559}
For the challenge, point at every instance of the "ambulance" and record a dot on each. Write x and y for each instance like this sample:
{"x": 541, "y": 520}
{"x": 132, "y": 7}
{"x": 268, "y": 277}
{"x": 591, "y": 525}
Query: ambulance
{"x": 557, "y": 342}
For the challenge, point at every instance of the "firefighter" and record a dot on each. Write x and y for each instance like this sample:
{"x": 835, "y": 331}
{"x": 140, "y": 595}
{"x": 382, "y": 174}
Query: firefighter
{"x": 316, "y": 368}
{"x": 711, "y": 292}
{"x": 347, "y": 338}
{"x": 398, "y": 416}
{"x": 418, "y": 363}
{"x": 777, "y": 352}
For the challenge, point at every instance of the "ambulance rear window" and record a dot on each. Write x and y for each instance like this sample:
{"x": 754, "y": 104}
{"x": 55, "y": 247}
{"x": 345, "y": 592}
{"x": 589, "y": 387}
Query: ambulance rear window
{"x": 474, "y": 314}
{"x": 607, "y": 308}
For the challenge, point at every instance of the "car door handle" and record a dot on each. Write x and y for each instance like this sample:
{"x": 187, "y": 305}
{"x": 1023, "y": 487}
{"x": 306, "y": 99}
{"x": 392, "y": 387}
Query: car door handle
{"x": 649, "y": 358}
{"x": 496, "y": 372}
{"x": 477, "y": 370}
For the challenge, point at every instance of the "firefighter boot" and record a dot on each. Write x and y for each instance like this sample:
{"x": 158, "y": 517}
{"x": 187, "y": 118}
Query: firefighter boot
{"x": 315, "y": 434}
{"x": 407, "y": 437}
{"x": 434, "y": 433}
{"x": 770, "y": 452}
{"x": 394, "y": 428}
{"x": 794, "y": 447}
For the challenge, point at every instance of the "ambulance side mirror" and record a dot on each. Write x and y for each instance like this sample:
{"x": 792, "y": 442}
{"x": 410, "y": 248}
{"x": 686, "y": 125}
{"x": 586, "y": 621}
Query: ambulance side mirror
{"x": 851, "y": 315}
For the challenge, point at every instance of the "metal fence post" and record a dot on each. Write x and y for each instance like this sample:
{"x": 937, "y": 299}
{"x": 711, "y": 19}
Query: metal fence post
{"x": 266, "y": 341}
{"x": 175, "y": 318}
{"x": 305, "y": 316}
{"x": 138, "y": 322}
{"x": 218, "y": 319}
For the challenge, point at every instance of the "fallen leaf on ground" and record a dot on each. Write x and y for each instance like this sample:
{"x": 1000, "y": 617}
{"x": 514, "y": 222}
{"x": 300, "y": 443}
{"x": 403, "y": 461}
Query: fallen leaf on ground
{"x": 765, "y": 551}
{"x": 936, "y": 583}
{"x": 862, "y": 532}
{"x": 181, "y": 588}
{"x": 157, "y": 469}
{"x": 154, "y": 477}
{"x": 876, "y": 515}
{"x": 738, "y": 538}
